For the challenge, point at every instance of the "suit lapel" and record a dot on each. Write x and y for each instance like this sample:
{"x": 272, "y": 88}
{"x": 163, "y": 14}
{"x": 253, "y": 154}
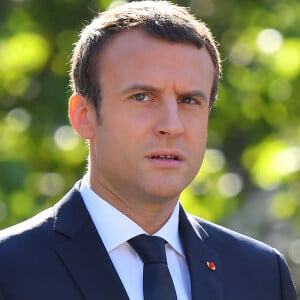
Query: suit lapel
{"x": 205, "y": 282}
{"x": 84, "y": 254}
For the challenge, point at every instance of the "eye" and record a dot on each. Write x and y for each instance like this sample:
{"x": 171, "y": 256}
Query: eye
{"x": 188, "y": 100}
{"x": 141, "y": 97}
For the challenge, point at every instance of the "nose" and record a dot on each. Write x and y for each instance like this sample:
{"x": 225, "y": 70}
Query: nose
{"x": 169, "y": 122}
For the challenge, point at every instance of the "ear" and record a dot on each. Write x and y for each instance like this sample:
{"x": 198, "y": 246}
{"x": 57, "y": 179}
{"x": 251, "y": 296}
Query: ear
{"x": 82, "y": 116}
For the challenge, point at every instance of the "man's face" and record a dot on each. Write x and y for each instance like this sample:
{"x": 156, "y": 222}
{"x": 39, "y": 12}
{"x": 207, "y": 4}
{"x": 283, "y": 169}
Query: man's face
{"x": 151, "y": 141}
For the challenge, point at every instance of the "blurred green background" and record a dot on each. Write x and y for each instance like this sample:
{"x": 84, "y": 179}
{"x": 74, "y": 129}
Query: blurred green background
{"x": 250, "y": 180}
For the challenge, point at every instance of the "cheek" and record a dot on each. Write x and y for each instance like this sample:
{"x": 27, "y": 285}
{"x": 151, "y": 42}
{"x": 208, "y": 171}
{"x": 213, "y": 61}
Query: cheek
{"x": 199, "y": 146}
{"x": 198, "y": 132}
{"x": 116, "y": 136}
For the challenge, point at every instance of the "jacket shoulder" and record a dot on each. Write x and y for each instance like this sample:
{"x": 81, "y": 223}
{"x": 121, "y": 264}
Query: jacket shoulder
{"x": 247, "y": 259}
{"x": 18, "y": 235}
{"x": 41, "y": 227}
{"x": 218, "y": 234}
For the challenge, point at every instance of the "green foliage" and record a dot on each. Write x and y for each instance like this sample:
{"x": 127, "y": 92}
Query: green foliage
{"x": 250, "y": 179}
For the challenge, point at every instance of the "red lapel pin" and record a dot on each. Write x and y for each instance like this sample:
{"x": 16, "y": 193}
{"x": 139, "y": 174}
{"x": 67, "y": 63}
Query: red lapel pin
{"x": 211, "y": 265}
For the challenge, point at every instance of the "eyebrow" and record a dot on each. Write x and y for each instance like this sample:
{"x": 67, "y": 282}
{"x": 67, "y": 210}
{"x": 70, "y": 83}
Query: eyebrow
{"x": 141, "y": 87}
{"x": 151, "y": 89}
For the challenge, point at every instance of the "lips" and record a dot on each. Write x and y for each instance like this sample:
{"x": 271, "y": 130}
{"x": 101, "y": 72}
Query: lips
{"x": 166, "y": 155}
{"x": 173, "y": 157}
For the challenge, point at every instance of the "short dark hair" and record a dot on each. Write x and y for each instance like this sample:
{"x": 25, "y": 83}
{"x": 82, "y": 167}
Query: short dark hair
{"x": 160, "y": 19}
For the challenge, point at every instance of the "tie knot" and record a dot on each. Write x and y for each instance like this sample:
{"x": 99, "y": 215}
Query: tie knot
{"x": 151, "y": 249}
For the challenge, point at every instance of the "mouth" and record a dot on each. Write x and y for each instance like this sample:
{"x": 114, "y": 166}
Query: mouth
{"x": 165, "y": 157}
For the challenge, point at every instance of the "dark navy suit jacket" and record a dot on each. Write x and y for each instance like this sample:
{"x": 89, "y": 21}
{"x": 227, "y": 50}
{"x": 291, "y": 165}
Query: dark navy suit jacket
{"x": 58, "y": 255}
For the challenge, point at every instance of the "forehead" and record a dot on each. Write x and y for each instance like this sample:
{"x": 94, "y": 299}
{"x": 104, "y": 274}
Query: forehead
{"x": 136, "y": 43}
{"x": 136, "y": 57}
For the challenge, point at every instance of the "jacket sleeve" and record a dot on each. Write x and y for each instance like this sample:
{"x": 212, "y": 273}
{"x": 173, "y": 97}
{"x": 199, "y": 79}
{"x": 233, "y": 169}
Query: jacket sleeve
{"x": 1, "y": 295}
{"x": 288, "y": 290}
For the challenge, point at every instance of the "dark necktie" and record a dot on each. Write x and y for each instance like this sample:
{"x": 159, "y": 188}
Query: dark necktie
{"x": 157, "y": 281}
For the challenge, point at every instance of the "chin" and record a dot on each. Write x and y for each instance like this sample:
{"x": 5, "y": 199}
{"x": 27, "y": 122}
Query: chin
{"x": 167, "y": 192}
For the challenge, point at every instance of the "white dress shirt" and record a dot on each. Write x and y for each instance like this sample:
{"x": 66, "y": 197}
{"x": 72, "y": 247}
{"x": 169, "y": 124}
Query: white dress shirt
{"x": 115, "y": 229}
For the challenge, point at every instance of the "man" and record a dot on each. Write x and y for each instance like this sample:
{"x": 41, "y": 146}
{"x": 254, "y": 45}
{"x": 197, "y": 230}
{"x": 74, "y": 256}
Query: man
{"x": 145, "y": 77}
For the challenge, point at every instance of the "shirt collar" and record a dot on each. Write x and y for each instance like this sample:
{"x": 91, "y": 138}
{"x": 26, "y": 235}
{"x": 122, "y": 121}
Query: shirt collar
{"x": 116, "y": 228}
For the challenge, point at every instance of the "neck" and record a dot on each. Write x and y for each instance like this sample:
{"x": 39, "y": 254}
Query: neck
{"x": 150, "y": 215}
